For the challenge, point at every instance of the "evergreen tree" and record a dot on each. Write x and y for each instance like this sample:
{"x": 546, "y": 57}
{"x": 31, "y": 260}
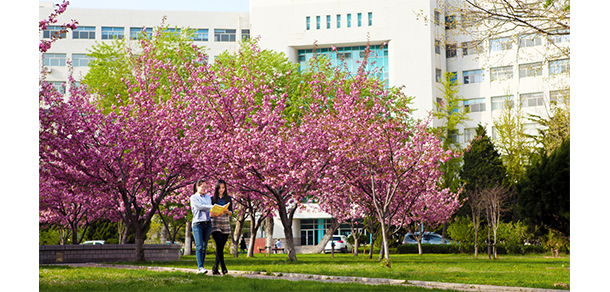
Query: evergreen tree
{"x": 544, "y": 192}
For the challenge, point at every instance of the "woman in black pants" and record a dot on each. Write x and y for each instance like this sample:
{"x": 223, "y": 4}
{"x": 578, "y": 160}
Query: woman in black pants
{"x": 221, "y": 227}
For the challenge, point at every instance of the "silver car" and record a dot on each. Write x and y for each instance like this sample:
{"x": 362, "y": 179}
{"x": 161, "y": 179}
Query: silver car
{"x": 428, "y": 237}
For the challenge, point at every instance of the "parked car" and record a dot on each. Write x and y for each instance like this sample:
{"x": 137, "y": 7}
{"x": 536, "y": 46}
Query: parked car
{"x": 428, "y": 237}
{"x": 341, "y": 244}
{"x": 94, "y": 242}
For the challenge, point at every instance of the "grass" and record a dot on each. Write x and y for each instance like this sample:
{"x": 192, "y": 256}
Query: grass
{"x": 62, "y": 278}
{"x": 535, "y": 271}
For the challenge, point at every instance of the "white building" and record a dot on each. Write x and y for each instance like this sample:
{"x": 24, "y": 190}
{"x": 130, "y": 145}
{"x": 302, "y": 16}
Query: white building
{"x": 414, "y": 41}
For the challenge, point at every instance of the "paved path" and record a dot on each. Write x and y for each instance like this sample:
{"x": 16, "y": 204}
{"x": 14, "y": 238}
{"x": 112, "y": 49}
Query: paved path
{"x": 339, "y": 279}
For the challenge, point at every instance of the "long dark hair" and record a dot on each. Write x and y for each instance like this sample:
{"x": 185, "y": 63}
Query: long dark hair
{"x": 216, "y": 195}
{"x": 197, "y": 183}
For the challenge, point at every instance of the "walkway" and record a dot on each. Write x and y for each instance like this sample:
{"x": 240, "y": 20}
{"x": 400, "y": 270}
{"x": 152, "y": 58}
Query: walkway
{"x": 339, "y": 279}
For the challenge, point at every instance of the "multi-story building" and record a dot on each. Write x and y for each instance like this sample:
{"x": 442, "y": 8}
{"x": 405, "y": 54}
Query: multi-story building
{"x": 413, "y": 43}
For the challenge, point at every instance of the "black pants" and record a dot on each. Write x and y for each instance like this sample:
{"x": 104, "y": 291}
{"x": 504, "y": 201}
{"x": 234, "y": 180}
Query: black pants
{"x": 220, "y": 239}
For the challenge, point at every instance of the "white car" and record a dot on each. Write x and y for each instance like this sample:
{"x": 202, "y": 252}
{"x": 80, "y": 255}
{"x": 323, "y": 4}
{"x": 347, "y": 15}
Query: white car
{"x": 341, "y": 244}
{"x": 94, "y": 242}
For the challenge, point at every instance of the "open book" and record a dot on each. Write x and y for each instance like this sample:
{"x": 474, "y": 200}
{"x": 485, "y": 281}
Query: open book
{"x": 218, "y": 209}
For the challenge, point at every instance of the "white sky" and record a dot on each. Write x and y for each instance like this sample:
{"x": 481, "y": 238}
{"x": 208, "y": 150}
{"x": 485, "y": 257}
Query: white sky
{"x": 175, "y": 5}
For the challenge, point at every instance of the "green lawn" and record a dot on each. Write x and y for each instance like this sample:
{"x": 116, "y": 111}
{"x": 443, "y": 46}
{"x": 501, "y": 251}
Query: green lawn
{"x": 536, "y": 271}
{"x": 64, "y": 279}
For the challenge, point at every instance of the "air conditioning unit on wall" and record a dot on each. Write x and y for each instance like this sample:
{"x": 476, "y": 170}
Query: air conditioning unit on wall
{"x": 47, "y": 69}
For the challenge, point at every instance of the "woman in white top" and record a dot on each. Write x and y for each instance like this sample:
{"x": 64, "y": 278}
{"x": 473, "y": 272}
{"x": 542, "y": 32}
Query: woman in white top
{"x": 201, "y": 203}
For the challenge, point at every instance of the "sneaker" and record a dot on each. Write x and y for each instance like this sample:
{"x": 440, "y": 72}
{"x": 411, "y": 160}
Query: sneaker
{"x": 202, "y": 270}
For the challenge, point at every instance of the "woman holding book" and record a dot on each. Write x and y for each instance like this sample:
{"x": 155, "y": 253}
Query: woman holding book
{"x": 221, "y": 226}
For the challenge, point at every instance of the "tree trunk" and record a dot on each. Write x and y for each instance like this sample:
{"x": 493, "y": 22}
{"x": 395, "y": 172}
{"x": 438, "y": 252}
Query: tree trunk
{"x": 419, "y": 248}
{"x": 139, "y": 244}
{"x": 327, "y": 236}
{"x": 239, "y": 223}
{"x": 164, "y": 233}
{"x": 488, "y": 241}
{"x": 373, "y": 239}
{"x": 476, "y": 242}
{"x": 188, "y": 239}
{"x": 269, "y": 234}
{"x": 125, "y": 235}
{"x": 495, "y": 244}
{"x": 443, "y": 234}
{"x": 385, "y": 241}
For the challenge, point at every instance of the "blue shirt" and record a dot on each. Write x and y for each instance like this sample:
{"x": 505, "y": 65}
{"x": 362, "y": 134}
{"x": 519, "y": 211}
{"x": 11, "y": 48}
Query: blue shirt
{"x": 200, "y": 206}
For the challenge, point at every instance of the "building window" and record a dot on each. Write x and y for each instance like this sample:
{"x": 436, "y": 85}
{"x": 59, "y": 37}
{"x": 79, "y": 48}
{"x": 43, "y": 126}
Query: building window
{"x": 308, "y": 22}
{"x": 500, "y": 44}
{"x": 562, "y": 36}
{"x": 454, "y": 136}
{"x": 559, "y": 66}
{"x": 359, "y": 19}
{"x": 136, "y": 32}
{"x": 225, "y": 35}
{"x": 530, "y": 70}
{"x": 327, "y": 21}
{"x": 349, "y": 20}
{"x": 471, "y": 48}
{"x": 317, "y": 22}
{"x": 469, "y": 134}
{"x": 109, "y": 33}
{"x": 439, "y": 104}
{"x": 350, "y": 58}
{"x": 84, "y": 33}
{"x": 439, "y": 75}
{"x": 532, "y": 99}
{"x": 51, "y": 59}
{"x": 501, "y": 73}
{"x": 370, "y": 18}
{"x": 245, "y": 34}
{"x": 59, "y": 86}
{"x": 559, "y": 96}
{"x": 81, "y": 60}
{"x": 473, "y": 76}
{"x": 53, "y": 30}
{"x": 474, "y": 105}
{"x": 529, "y": 40}
{"x": 450, "y": 21}
{"x": 437, "y": 17}
{"x": 451, "y": 50}
{"x": 201, "y": 35}
{"x": 437, "y": 46}
{"x": 338, "y": 20}
{"x": 453, "y": 79}
{"x": 498, "y": 102}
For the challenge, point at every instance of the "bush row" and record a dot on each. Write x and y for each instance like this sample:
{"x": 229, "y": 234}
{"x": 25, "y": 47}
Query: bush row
{"x": 462, "y": 248}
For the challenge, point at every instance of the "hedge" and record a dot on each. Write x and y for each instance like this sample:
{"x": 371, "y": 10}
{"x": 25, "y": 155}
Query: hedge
{"x": 459, "y": 248}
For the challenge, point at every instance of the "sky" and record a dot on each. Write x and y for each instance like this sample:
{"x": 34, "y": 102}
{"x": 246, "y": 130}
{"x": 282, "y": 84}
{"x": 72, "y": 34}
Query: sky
{"x": 174, "y": 5}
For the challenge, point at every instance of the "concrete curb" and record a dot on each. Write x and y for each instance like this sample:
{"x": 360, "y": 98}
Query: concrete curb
{"x": 335, "y": 279}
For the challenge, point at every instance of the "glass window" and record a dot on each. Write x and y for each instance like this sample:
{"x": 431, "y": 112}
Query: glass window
{"x": 201, "y": 34}
{"x": 317, "y": 22}
{"x": 225, "y": 35}
{"x": 559, "y": 66}
{"x": 349, "y": 20}
{"x": 327, "y": 21}
{"x": 500, "y": 44}
{"x": 530, "y": 70}
{"x": 370, "y": 18}
{"x": 469, "y": 134}
{"x": 84, "y": 33}
{"x": 497, "y": 102}
{"x": 473, "y": 76}
{"x": 51, "y": 59}
{"x": 136, "y": 32}
{"x": 439, "y": 75}
{"x": 453, "y": 79}
{"x": 59, "y": 86}
{"x": 559, "y": 96}
{"x": 450, "y": 21}
{"x": 437, "y": 46}
{"x": 471, "y": 48}
{"x": 245, "y": 34}
{"x": 474, "y": 105}
{"x": 81, "y": 60}
{"x": 532, "y": 99}
{"x": 338, "y": 20}
{"x": 307, "y": 22}
{"x": 53, "y": 30}
{"x": 359, "y": 19}
{"x": 561, "y": 36}
{"x": 451, "y": 50}
{"x": 437, "y": 17}
{"x": 501, "y": 73}
{"x": 109, "y": 33}
{"x": 529, "y": 40}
